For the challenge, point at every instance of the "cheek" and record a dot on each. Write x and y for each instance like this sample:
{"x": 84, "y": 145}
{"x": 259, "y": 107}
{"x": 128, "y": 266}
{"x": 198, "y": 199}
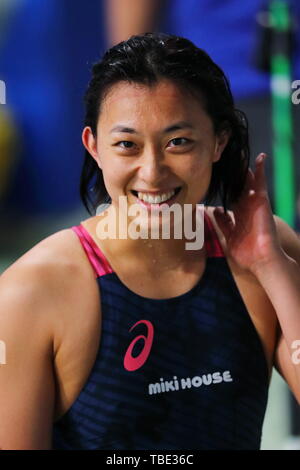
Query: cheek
{"x": 114, "y": 176}
{"x": 199, "y": 170}
{"x": 199, "y": 178}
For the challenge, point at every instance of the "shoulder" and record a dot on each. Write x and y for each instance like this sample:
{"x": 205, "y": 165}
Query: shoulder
{"x": 57, "y": 255}
{"x": 44, "y": 284}
{"x": 288, "y": 238}
{"x": 45, "y": 263}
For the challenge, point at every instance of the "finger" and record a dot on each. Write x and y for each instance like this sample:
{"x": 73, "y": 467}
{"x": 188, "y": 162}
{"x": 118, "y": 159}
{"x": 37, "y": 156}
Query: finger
{"x": 260, "y": 177}
{"x": 250, "y": 181}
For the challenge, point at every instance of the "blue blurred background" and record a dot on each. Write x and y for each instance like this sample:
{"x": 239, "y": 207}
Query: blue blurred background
{"x": 47, "y": 48}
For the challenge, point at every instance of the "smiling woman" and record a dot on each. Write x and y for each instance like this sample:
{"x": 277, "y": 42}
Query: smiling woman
{"x": 146, "y": 66}
{"x": 161, "y": 165}
{"x": 143, "y": 343}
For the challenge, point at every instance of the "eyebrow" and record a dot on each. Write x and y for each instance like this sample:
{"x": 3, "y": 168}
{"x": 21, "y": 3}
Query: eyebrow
{"x": 174, "y": 127}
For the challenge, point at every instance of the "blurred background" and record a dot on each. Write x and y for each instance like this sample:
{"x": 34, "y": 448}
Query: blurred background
{"x": 47, "y": 48}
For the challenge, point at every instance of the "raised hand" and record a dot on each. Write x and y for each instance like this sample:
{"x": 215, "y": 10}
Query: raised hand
{"x": 251, "y": 236}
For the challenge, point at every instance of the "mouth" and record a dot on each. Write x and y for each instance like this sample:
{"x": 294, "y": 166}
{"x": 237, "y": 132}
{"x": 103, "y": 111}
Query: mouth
{"x": 149, "y": 200}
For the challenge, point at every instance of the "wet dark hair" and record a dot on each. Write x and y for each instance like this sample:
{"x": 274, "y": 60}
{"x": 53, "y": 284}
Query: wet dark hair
{"x": 146, "y": 59}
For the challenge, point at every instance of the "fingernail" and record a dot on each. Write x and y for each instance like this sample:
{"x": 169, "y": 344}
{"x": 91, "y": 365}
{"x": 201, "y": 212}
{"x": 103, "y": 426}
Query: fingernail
{"x": 261, "y": 157}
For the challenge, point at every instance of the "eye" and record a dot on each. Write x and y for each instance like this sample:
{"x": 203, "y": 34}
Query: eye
{"x": 180, "y": 141}
{"x": 126, "y": 144}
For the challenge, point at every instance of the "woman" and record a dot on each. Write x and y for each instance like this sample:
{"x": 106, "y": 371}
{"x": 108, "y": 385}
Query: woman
{"x": 136, "y": 343}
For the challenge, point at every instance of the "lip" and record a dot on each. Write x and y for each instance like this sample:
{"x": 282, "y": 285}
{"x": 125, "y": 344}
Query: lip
{"x": 150, "y": 205}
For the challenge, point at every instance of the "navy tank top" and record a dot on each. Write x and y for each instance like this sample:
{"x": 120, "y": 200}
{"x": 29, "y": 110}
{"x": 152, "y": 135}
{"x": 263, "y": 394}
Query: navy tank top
{"x": 187, "y": 372}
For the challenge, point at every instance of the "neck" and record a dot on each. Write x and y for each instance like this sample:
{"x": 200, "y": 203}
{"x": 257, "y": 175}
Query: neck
{"x": 152, "y": 251}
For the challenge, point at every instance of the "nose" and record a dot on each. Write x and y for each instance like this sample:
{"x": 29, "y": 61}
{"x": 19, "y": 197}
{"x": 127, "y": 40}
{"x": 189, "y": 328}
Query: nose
{"x": 153, "y": 168}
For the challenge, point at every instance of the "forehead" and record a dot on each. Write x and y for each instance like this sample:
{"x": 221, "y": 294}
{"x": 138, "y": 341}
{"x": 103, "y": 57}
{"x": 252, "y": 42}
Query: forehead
{"x": 164, "y": 100}
{"x": 163, "y": 88}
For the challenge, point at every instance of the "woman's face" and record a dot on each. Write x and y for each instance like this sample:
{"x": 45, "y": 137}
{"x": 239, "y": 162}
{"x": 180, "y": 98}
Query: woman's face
{"x": 153, "y": 140}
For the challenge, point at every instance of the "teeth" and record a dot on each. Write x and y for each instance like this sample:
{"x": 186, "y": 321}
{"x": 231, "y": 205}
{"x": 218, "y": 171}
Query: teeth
{"x": 155, "y": 199}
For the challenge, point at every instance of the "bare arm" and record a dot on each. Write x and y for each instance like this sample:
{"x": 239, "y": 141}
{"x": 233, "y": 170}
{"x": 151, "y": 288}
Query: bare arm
{"x": 27, "y": 391}
{"x": 127, "y": 17}
{"x": 282, "y": 283}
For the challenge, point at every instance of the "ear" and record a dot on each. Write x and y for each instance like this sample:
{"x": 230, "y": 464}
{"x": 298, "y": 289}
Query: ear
{"x": 90, "y": 143}
{"x": 221, "y": 142}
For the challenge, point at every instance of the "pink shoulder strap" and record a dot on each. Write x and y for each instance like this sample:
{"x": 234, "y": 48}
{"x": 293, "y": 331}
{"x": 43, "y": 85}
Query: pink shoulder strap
{"x": 212, "y": 244}
{"x": 93, "y": 252}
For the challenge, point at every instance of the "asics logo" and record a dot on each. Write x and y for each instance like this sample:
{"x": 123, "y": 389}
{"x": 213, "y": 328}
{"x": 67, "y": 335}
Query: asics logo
{"x": 133, "y": 363}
